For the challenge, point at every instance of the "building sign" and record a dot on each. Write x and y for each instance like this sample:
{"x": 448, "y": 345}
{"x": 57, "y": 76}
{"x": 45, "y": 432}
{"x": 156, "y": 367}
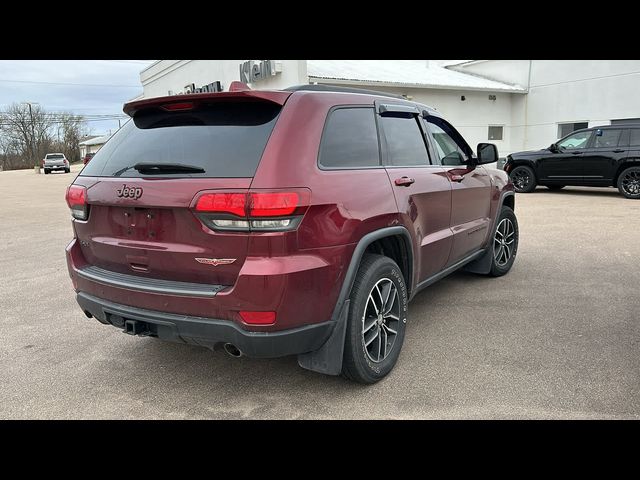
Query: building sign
{"x": 252, "y": 72}
{"x": 191, "y": 88}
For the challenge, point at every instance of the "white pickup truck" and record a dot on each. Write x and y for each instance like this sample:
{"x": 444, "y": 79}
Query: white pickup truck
{"x": 55, "y": 161}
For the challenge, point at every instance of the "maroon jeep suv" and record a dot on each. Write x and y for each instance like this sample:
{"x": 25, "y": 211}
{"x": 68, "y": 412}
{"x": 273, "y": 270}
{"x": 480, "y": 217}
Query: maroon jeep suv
{"x": 293, "y": 222}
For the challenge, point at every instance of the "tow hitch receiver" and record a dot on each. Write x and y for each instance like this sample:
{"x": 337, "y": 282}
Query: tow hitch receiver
{"x": 134, "y": 327}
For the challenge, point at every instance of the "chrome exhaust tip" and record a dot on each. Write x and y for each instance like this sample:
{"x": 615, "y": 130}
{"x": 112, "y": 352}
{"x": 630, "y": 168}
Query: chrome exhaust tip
{"x": 232, "y": 350}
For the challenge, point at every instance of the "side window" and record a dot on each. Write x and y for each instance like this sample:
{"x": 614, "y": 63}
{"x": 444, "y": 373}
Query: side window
{"x": 634, "y": 140}
{"x": 577, "y": 140}
{"x": 350, "y": 139}
{"x": 405, "y": 142}
{"x": 608, "y": 139}
{"x": 451, "y": 153}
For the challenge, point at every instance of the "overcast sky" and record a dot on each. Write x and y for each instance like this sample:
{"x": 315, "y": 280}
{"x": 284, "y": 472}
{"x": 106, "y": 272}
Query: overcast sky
{"x": 90, "y": 87}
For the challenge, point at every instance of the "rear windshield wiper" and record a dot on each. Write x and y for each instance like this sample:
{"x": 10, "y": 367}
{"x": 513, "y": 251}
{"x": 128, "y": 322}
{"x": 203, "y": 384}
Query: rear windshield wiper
{"x": 165, "y": 168}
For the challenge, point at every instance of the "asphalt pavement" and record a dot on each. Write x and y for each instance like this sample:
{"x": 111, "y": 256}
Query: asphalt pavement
{"x": 558, "y": 337}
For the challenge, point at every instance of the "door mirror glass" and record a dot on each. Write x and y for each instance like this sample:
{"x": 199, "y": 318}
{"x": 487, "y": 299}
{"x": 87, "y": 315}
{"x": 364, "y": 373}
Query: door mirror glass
{"x": 487, "y": 153}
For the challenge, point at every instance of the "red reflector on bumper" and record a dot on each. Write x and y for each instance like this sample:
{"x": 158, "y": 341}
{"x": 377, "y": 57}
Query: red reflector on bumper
{"x": 259, "y": 318}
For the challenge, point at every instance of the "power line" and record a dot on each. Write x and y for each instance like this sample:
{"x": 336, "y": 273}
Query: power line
{"x": 72, "y": 84}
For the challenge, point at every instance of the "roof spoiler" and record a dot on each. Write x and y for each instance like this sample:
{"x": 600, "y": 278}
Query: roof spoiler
{"x": 277, "y": 97}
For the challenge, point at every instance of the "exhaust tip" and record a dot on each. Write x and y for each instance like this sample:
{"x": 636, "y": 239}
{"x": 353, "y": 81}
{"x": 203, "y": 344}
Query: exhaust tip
{"x": 232, "y": 350}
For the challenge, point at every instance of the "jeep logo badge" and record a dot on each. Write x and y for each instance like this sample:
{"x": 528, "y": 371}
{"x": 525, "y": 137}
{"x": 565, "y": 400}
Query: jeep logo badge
{"x": 129, "y": 192}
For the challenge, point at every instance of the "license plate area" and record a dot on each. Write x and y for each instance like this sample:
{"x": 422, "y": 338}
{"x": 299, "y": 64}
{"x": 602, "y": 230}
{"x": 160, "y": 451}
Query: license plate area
{"x": 140, "y": 223}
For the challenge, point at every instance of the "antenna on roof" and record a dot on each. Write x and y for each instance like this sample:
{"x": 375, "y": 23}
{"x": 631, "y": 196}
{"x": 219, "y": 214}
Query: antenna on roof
{"x": 238, "y": 87}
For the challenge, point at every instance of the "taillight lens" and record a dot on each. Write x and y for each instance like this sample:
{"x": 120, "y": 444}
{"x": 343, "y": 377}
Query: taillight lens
{"x": 253, "y": 210}
{"x": 233, "y": 203}
{"x": 77, "y": 200}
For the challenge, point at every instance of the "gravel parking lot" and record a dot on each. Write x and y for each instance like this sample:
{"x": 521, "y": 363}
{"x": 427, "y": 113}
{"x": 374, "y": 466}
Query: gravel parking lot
{"x": 558, "y": 337}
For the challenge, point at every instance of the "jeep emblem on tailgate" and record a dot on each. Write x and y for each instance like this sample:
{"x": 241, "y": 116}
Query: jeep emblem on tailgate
{"x": 129, "y": 192}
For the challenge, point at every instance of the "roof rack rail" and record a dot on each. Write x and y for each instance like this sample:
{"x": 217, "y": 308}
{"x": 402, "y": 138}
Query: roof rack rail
{"x": 332, "y": 88}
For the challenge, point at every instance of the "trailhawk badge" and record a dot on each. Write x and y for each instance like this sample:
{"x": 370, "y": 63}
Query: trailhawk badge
{"x": 215, "y": 261}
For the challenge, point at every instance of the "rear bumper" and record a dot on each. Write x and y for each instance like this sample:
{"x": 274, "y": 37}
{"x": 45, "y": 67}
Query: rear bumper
{"x": 209, "y": 332}
{"x": 55, "y": 167}
{"x": 301, "y": 289}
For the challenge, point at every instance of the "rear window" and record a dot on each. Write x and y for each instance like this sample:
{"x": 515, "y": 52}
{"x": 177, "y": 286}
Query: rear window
{"x": 225, "y": 139}
{"x": 54, "y": 157}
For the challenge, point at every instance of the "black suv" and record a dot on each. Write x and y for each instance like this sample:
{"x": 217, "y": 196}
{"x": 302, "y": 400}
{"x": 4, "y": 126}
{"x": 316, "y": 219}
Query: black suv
{"x": 607, "y": 156}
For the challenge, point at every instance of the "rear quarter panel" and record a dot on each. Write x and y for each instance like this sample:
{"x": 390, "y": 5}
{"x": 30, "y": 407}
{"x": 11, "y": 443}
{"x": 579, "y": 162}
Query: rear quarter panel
{"x": 345, "y": 205}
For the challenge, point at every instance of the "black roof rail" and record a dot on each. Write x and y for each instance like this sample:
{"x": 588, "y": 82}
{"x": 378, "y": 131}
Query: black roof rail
{"x": 332, "y": 88}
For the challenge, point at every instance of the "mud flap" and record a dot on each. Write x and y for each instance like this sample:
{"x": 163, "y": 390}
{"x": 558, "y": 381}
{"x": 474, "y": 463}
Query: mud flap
{"x": 328, "y": 358}
{"x": 482, "y": 265}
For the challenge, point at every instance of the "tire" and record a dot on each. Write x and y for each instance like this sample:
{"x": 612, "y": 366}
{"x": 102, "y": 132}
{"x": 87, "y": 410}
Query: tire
{"x": 555, "y": 187}
{"x": 507, "y": 229}
{"x": 67, "y": 170}
{"x": 629, "y": 182}
{"x": 46, "y": 171}
{"x": 369, "y": 363}
{"x": 523, "y": 178}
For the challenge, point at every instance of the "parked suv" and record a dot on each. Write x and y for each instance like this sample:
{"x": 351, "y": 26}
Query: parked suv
{"x": 272, "y": 223}
{"x": 55, "y": 161}
{"x": 87, "y": 158}
{"x": 607, "y": 156}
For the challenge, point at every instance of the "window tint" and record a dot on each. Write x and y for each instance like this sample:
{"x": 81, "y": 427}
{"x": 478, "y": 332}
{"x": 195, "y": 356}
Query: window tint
{"x": 405, "y": 143}
{"x": 350, "y": 139}
{"x": 449, "y": 151}
{"x": 495, "y": 133}
{"x": 635, "y": 137}
{"x": 608, "y": 139}
{"x": 224, "y": 139}
{"x": 577, "y": 140}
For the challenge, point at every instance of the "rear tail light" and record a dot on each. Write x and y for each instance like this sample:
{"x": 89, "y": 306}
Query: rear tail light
{"x": 77, "y": 200}
{"x": 254, "y": 210}
{"x": 258, "y": 318}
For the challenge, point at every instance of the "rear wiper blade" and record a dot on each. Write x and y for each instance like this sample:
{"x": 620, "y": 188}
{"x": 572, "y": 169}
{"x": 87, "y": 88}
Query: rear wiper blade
{"x": 167, "y": 168}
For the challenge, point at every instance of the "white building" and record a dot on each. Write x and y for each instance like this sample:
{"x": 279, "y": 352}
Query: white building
{"x": 516, "y": 104}
{"x": 92, "y": 145}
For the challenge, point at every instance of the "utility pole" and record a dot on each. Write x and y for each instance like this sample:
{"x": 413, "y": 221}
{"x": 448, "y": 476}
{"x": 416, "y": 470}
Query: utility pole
{"x": 33, "y": 135}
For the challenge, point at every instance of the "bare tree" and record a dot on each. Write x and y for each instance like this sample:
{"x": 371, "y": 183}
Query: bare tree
{"x": 25, "y": 130}
{"x": 26, "y": 135}
{"x": 73, "y": 128}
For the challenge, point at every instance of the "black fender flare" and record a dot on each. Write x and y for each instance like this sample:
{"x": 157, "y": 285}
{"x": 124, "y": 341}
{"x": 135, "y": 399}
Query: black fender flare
{"x": 328, "y": 358}
{"x": 483, "y": 264}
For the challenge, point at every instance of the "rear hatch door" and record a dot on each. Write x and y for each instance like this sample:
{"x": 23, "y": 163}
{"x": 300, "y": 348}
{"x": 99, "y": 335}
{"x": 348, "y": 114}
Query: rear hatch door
{"x": 141, "y": 220}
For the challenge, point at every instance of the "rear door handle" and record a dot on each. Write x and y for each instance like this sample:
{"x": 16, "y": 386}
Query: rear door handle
{"x": 618, "y": 150}
{"x": 404, "y": 181}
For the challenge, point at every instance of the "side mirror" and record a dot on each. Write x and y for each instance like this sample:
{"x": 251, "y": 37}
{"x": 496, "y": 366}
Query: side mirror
{"x": 487, "y": 153}
{"x": 553, "y": 148}
{"x": 598, "y": 133}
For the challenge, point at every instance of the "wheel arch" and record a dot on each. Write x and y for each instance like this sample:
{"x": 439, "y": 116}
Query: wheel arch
{"x": 328, "y": 358}
{"x": 629, "y": 162}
